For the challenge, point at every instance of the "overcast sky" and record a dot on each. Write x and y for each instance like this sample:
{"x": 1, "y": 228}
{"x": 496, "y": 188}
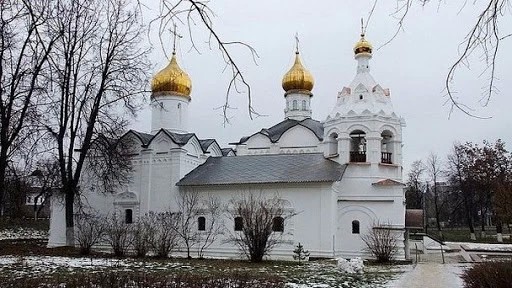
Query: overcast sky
{"x": 413, "y": 66}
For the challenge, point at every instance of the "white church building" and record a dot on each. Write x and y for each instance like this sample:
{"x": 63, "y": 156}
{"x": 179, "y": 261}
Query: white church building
{"x": 340, "y": 176}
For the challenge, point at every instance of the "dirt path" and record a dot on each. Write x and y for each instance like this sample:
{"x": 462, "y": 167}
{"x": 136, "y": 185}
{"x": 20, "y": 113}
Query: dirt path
{"x": 431, "y": 275}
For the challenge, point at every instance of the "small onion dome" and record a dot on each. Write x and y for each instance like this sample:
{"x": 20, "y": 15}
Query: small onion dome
{"x": 298, "y": 78}
{"x": 363, "y": 46}
{"x": 172, "y": 79}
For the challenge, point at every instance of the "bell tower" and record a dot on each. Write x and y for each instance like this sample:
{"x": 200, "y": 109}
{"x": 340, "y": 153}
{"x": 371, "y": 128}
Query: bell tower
{"x": 363, "y": 128}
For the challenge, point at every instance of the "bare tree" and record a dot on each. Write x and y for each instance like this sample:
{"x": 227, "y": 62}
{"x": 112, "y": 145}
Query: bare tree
{"x": 47, "y": 175}
{"x": 23, "y": 58}
{"x": 98, "y": 77}
{"x": 435, "y": 172}
{"x": 191, "y": 12}
{"x": 261, "y": 222}
{"x": 415, "y": 185}
{"x": 188, "y": 204}
{"x": 460, "y": 174}
{"x": 212, "y": 212}
{"x": 483, "y": 39}
{"x": 381, "y": 241}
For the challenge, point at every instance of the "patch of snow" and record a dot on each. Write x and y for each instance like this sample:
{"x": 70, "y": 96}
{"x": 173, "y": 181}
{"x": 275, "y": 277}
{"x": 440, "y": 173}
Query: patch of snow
{"x": 22, "y": 233}
{"x": 352, "y": 266}
{"x": 482, "y": 246}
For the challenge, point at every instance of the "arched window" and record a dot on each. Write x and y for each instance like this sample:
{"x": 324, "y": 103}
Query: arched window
{"x": 295, "y": 107}
{"x": 333, "y": 144}
{"x": 201, "y": 223}
{"x": 278, "y": 224}
{"x": 386, "y": 147}
{"x": 304, "y": 105}
{"x": 355, "y": 227}
{"x": 239, "y": 223}
{"x": 128, "y": 216}
{"x": 358, "y": 146}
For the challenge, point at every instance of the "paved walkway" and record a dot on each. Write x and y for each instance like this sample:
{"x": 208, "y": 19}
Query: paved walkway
{"x": 431, "y": 275}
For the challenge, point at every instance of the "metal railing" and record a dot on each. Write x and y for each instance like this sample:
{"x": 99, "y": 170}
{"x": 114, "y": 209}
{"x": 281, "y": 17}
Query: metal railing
{"x": 357, "y": 156}
{"x": 386, "y": 158}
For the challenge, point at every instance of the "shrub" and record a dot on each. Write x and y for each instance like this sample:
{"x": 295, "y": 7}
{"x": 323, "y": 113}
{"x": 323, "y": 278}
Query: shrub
{"x": 141, "y": 236}
{"x": 118, "y": 234}
{"x": 163, "y": 238}
{"x": 89, "y": 231}
{"x": 488, "y": 275}
{"x": 382, "y": 242}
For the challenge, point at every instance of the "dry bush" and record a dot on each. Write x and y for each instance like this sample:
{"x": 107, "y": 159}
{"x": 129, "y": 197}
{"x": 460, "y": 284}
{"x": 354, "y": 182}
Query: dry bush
{"x": 141, "y": 235}
{"x": 257, "y": 238}
{"x": 89, "y": 231}
{"x": 488, "y": 275}
{"x": 118, "y": 234}
{"x": 381, "y": 241}
{"x": 163, "y": 238}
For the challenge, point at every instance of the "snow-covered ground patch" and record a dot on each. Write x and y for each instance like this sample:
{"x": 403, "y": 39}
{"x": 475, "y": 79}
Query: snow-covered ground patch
{"x": 22, "y": 233}
{"x": 308, "y": 275}
{"x": 468, "y": 246}
{"x": 352, "y": 266}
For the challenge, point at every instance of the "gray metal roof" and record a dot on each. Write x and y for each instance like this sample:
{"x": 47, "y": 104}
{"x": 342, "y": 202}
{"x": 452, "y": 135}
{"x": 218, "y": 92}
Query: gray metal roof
{"x": 225, "y": 151}
{"x": 253, "y": 169}
{"x": 205, "y": 143}
{"x": 275, "y": 132}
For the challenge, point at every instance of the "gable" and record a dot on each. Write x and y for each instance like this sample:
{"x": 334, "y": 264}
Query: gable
{"x": 298, "y": 136}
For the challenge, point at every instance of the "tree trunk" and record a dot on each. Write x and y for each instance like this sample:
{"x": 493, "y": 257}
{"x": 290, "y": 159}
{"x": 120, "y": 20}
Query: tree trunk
{"x": 3, "y": 168}
{"x": 438, "y": 212}
{"x": 469, "y": 218}
{"x": 70, "y": 225}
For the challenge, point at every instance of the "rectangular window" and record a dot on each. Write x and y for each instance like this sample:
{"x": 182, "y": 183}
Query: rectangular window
{"x": 239, "y": 223}
{"x": 128, "y": 216}
{"x": 201, "y": 223}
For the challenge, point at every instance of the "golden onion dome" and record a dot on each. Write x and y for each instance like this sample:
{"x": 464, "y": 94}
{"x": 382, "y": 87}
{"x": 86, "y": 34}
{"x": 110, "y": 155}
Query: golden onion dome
{"x": 363, "y": 46}
{"x": 172, "y": 79}
{"x": 298, "y": 78}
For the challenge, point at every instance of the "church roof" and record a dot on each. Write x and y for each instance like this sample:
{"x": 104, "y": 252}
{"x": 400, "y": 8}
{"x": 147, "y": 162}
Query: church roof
{"x": 226, "y": 151}
{"x": 205, "y": 143}
{"x": 275, "y": 132}
{"x": 260, "y": 169}
{"x": 180, "y": 139}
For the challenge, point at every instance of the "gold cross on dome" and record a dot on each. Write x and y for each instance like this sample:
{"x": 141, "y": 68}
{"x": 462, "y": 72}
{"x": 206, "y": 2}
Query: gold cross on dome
{"x": 296, "y": 42}
{"x": 175, "y": 34}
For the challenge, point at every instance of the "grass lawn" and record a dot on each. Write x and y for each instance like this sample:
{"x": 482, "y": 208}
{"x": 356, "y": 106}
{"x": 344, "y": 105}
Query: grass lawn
{"x": 463, "y": 235}
{"x": 28, "y": 263}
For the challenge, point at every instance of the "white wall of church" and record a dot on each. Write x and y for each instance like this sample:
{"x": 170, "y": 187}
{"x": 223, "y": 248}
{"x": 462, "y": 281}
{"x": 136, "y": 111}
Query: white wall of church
{"x": 313, "y": 225}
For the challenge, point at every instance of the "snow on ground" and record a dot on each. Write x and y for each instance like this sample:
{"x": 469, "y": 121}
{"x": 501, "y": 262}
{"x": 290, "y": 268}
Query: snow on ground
{"x": 22, "y": 233}
{"x": 309, "y": 275}
{"x": 431, "y": 275}
{"x": 482, "y": 246}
